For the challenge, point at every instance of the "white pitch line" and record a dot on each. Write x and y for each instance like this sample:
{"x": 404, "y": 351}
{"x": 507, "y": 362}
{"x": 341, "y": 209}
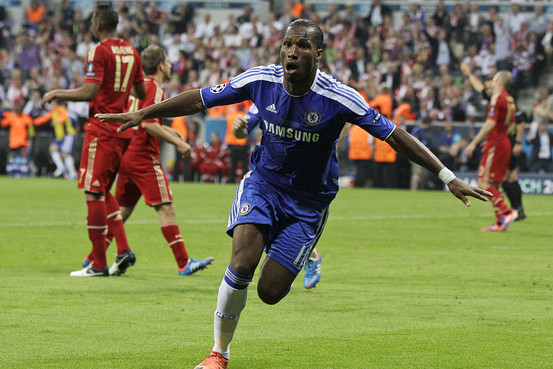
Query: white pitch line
{"x": 224, "y": 221}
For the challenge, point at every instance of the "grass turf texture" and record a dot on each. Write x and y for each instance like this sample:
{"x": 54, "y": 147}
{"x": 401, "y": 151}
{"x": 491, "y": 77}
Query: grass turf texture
{"x": 409, "y": 281}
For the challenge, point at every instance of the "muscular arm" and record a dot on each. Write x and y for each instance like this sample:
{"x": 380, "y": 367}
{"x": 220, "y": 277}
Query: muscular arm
{"x": 186, "y": 103}
{"x": 85, "y": 93}
{"x": 410, "y": 147}
{"x": 484, "y": 131}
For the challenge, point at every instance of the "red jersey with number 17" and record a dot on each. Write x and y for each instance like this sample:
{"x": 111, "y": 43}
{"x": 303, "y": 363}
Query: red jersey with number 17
{"x": 142, "y": 140}
{"x": 115, "y": 65}
{"x": 502, "y": 110}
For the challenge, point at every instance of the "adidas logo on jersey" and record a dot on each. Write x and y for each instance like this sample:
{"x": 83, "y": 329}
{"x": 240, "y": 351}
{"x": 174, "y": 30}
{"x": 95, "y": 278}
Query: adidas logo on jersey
{"x": 272, "y": 108}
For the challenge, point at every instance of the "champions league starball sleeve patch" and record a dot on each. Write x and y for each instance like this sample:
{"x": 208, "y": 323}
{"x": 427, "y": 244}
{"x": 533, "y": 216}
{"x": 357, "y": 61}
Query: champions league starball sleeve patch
{"x": 218, "y": 88}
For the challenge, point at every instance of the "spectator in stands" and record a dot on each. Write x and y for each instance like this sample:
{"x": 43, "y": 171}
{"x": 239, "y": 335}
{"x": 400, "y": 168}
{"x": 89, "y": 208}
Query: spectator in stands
{"x": 543, "y": 108}
{"x": 36, "y": 13}
{"x": 457, "y": 32}
{"x": 238, "y": 147}
{"x": 2, "y": 13}
{"x": 542, "y": 143}
{"x": 547, "y": 43}
{"x": 181, "y": 163}
{"x": 440, "y": 16}
{"x": 181, "y": 16}
{"x": 448, "y": 138}
{"x": 19, "y": 123}
{"x": 248, "y": 11}
{"x": 419, "y": 174}
{"x": 502, "y": 45}
{"x": 360, "y": 153}
{"x": 538, "y": 23}
{"x": 376, "y": 14}
{"x": 205, "y": 27}
{"x": 515, "y": 18}
{"x": 17, "y": 91}
{"x": 441, "y": 52}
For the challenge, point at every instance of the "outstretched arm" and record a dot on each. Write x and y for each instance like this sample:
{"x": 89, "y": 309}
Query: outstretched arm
{"x": 85, "y": 93}
{"x": 474, "y": 81}
{"x": 164, "y": 133}
{"x": 408, "y": 146}
{"x": 186, "y": 103}
{"x": 480, "y": 136}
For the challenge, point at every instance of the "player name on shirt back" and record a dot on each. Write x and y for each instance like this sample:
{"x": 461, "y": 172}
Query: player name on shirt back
{"x": 122, "y": 50}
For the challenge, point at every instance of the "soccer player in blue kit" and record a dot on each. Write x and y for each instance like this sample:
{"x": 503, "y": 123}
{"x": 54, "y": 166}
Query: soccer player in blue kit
{"x": 281, "y": 205}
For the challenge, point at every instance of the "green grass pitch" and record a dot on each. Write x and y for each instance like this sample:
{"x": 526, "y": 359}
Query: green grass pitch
{"x": 408, "y": 281}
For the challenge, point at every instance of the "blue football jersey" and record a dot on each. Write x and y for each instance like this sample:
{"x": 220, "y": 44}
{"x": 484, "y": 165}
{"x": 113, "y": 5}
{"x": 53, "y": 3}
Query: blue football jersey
{"x": 298, "y": 146}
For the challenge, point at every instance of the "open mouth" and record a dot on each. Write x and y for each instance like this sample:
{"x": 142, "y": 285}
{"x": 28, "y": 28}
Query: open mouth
{"x": 291, "y": 67}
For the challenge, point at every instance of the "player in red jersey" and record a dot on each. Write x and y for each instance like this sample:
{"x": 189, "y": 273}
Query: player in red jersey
{"x": 113, "y": 69}
{"x": 141, "y": 173}
{"x": 497, "y": 150}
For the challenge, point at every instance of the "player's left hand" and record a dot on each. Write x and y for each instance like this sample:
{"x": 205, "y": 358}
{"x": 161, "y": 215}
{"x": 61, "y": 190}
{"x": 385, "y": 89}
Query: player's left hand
{"x": 49, "y": 96}
{"x": 461, "y": 190}
{"x": 129, "y": 120}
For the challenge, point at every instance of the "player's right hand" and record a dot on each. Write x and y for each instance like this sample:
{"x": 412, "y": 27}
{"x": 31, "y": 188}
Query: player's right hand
{"x": 129, "y": 120}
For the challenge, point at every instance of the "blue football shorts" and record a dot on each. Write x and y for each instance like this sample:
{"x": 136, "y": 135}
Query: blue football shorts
{"x": 295, "y": 225}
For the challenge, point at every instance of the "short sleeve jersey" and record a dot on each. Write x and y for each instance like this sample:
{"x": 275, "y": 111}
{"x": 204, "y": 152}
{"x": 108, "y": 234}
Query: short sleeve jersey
{"x": 115, "y": 65}
{"x": 298, "y": 146}
{"x": 142, "y": 140}
{"x": 501, "y": 110}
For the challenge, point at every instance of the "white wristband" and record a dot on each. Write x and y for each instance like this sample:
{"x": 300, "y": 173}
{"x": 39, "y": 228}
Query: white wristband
{"x": 446, "y": 175}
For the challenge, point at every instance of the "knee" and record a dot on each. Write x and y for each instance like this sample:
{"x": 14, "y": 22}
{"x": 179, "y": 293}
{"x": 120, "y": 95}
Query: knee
{"x": 270, "y": 296}
{"x": 243, "y": 267}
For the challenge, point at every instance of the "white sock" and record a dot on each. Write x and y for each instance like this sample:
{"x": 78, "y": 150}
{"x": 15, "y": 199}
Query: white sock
{"x": 230, "y": 303}
{"x": 56, "y": 157}
{"x": 70, "y": 166}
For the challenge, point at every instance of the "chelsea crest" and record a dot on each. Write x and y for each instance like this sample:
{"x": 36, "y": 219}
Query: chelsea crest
{"x": 312, "y": 117}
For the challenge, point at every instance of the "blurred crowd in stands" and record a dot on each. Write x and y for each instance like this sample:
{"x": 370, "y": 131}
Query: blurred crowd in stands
{"x": 406, "y": 65}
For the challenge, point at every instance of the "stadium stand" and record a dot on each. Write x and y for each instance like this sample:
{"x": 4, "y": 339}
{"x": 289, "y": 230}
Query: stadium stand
{"x": 412, "y": 50}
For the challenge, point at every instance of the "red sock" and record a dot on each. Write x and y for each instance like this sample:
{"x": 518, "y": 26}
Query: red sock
{"x": 109, "y": 238}
{"x": 97, "y": 226}
{"x": 174, "y": 238}
{"x": 115, "y": 224}
{"x": 499, "y": 206}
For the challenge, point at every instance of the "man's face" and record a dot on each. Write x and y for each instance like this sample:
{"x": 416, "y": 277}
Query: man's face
{"x": 95, "y": 27}
{"x": 299, "y": 54}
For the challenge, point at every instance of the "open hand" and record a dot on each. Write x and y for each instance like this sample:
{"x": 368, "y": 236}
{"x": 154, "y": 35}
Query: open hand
{"x": 129, "y": 120}
{"x": 461, "y": 190}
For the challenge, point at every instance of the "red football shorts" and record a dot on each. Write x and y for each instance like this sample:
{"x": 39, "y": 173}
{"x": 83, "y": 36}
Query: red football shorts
{"x": 141, "y": 173}
{"x": 100, "y": 159}
{"x": 495, "y": 162}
